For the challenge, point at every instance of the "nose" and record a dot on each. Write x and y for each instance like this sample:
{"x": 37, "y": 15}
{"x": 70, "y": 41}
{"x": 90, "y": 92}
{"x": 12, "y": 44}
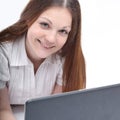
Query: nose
{"x": 51, "y": 36}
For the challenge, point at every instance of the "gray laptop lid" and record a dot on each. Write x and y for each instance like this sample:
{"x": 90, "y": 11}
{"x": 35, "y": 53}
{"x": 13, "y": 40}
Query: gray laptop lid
{"x": 101, "y": 103}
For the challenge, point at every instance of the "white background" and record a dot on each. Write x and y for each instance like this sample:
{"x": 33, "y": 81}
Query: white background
{"x": 100, "y": 37}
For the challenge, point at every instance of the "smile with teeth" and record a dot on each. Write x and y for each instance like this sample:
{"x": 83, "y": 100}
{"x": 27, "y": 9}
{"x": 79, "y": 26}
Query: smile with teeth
{"x": 44, "y": 45}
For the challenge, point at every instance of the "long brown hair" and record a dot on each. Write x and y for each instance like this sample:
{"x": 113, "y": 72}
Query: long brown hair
{"x": 74, "y": 75}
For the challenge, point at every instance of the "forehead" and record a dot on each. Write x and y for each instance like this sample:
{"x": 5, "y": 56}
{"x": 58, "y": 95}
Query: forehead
{"x": 57, "y": 15}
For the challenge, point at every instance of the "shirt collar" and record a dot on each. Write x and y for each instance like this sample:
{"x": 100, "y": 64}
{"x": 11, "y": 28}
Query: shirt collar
{"x": 19, "y": 56}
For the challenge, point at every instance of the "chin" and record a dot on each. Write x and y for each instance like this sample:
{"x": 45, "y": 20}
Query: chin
{"x": 43, "y": 56}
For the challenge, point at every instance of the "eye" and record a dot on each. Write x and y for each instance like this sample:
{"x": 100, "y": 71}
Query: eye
{"x": 44, "y": 25}
{"x": 63, "y": 32}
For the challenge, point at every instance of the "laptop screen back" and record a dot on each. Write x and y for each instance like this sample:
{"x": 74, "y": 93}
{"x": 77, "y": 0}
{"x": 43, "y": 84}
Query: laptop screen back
{"x": 101, "y": 103}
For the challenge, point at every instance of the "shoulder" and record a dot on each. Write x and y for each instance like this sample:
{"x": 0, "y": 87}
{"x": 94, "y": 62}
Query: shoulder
{"x": 4, "y": 61}
{"x": 6, "y": 45}
{"x": 5, "y": 49}
{"x": 9, "y": 47}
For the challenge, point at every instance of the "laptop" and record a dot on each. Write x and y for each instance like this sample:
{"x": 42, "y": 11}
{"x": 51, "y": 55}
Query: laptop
{"x": 102, "y": 103}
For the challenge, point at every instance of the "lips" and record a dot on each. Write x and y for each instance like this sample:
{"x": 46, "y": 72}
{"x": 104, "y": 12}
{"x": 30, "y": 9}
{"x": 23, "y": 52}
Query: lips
{"x": 44, "y": 45}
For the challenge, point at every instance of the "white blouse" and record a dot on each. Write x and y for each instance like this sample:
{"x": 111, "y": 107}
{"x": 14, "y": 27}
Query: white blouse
{"x": 17, "y": 71}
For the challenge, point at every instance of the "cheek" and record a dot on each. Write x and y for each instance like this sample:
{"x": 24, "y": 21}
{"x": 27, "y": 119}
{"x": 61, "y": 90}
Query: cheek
{"x": 34, "y": 30}
{"x": 62, "y": 42}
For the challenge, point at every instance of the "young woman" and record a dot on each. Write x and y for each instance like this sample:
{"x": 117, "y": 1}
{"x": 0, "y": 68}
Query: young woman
{"x": 41, "y": 53}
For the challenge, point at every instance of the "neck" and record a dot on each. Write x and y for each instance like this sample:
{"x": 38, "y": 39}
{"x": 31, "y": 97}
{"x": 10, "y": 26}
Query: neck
{"x": 37, "y": 64}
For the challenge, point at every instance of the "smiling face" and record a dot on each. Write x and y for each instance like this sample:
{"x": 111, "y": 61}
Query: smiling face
{"x": 48, "y": 33}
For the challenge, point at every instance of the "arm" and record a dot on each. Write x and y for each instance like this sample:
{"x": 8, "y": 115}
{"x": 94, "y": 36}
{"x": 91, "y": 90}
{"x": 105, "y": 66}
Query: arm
{"x": 57, "y": 89}
{"x": 5, "y": 109}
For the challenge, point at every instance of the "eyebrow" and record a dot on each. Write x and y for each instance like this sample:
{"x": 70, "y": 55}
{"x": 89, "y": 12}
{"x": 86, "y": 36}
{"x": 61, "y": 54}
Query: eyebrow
{"x": 46, "y": 19}
{"x": 51, "y": 22}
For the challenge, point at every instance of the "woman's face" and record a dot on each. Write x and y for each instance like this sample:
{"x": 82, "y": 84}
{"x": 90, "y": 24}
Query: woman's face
{"x": 48, "y": 33}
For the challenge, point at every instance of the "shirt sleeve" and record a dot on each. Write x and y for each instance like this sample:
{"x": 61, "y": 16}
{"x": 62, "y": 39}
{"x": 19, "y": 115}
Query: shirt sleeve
{"x": 4, "y": 70}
